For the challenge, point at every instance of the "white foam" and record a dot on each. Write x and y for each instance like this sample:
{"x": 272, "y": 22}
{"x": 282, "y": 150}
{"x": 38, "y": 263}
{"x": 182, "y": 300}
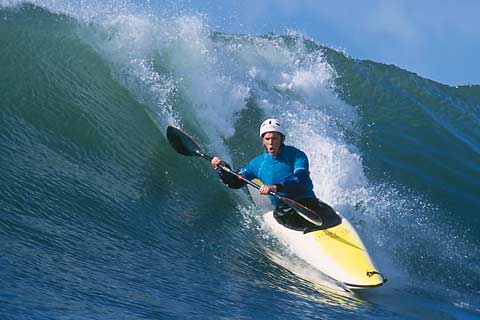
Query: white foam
{"x": 296, "y": 85}
{"x": 165, "y": 60}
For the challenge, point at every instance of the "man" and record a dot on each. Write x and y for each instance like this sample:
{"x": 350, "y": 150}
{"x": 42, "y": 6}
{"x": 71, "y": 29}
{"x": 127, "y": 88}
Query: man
{"x": 284, "y": 170}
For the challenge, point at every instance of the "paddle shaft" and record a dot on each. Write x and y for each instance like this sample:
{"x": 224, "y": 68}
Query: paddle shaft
{"x": 227, "y": 169}
{"x": 292, "y": 202}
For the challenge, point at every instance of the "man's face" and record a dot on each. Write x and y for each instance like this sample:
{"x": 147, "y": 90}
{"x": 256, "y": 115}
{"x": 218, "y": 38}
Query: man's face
{"x": 272, "y": 142}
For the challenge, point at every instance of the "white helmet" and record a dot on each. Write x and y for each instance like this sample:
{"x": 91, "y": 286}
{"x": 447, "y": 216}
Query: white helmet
{"x": 271, "y": 125}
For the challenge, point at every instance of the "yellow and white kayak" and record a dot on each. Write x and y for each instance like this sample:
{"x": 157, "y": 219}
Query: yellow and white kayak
{"x": 337, "y": 252}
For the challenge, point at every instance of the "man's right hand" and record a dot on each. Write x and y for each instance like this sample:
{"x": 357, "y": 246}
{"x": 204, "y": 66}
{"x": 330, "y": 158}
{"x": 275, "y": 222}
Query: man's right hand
{"x": 217, "y": 162}
{"x": 266, "y": 189}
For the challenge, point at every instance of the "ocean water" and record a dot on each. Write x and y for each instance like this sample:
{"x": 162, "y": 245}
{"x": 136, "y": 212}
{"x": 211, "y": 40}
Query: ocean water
{"x": 101, "y": 219}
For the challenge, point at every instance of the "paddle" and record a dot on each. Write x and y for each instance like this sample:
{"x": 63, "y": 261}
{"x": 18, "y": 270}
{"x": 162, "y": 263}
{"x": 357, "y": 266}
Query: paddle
{"x": 184, "y": 144}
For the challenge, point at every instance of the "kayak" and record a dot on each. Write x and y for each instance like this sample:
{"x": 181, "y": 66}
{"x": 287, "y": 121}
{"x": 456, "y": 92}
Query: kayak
{"x": 337, "y": 252}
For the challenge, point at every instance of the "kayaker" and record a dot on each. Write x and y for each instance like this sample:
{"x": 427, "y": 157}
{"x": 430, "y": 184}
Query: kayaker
{"x": 284, "y": 170}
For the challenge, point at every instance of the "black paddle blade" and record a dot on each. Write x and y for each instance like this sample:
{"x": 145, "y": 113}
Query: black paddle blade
{"x": 182, "y": 142}
{"x": 304, "y": 211}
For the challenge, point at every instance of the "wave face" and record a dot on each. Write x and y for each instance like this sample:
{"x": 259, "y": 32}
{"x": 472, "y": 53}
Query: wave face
{"x": 102, "y": 219}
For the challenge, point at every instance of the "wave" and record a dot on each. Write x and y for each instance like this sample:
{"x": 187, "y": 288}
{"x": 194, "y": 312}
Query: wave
{"x": 88, "y": 94}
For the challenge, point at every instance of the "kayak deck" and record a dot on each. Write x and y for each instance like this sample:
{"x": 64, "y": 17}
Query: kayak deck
{"x": 346, "y": 257}
{"x": 337, "y": 252}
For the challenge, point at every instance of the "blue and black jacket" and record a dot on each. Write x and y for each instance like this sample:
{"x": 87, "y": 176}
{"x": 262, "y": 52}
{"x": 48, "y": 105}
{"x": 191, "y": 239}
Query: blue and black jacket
{"x": 289, "y": 171}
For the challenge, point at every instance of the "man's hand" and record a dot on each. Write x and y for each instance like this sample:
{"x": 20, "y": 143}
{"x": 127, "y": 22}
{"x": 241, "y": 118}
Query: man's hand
{"x": 265, "y": 189}
{"x": 217, "y": 162}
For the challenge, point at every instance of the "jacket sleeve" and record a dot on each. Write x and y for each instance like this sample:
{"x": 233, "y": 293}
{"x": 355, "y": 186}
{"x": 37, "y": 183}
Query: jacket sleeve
{"x": 230, "y": 180}
{"x": 295, "y": 183}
